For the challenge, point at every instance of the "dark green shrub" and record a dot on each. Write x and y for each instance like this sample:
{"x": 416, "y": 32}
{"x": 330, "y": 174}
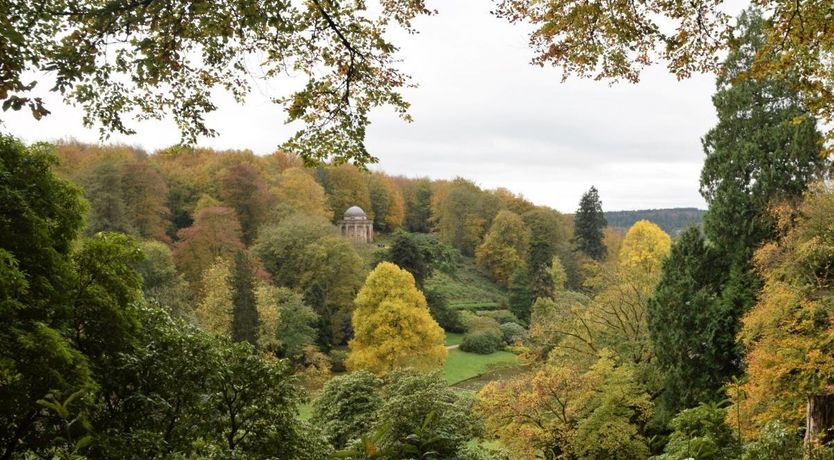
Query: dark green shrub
{"x": 345, "y": 407}
{"x": 513, "y": 332}
{"x": 337, "y": 360}
{"x": 701, "y": 432}
{"x": 482, "y": 341}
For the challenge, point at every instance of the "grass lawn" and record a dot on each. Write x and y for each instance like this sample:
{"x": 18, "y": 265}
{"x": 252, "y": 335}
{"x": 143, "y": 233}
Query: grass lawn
{"x": 453, "y": 338}
{"x": 461, "y": 366}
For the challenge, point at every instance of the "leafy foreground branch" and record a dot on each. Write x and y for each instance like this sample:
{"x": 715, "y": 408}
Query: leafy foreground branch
{"x": 146, "y": 59}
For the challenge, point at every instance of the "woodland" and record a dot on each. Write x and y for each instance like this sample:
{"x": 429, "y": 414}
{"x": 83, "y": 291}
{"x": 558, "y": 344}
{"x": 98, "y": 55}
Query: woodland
{"x": 192, "y": 303}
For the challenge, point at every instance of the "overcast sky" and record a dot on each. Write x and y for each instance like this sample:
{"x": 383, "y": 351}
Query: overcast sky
{"x": 483, "y": 112}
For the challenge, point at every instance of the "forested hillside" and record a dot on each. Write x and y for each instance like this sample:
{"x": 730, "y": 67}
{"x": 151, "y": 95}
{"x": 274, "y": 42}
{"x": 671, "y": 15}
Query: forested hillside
{"x": 672, "y": 220}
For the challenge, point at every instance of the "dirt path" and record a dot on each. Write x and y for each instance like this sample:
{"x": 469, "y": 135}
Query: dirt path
{"x": 452, "y": 347}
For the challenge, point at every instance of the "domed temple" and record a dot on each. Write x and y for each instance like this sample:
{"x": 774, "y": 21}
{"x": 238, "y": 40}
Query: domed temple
{"x": 356, "y": 226}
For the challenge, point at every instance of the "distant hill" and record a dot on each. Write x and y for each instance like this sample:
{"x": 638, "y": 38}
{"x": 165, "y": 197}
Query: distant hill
{"x": 672, "y": 221}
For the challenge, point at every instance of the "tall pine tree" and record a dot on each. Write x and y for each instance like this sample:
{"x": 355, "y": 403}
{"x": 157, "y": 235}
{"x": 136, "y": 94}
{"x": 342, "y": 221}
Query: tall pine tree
{"x": 764, "y": 149}
{"x": 694, "y": 342}
{"x": 589, "y": 223}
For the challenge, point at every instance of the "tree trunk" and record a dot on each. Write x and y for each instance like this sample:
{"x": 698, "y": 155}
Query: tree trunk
{"x": 819, "y": 420}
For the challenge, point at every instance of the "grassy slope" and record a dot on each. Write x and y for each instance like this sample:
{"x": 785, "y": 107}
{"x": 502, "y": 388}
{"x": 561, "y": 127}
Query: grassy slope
{"x": 467, "y": 286}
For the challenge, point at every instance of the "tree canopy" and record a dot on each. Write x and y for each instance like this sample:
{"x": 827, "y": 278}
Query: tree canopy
{"x": 173, "y": 55}
{"x": 392, "y": 325}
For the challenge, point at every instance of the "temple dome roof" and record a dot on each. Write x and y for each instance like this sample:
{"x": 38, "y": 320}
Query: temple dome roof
{"x": 355, "y": 212}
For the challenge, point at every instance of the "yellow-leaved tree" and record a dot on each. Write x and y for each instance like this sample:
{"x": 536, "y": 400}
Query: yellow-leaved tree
{"x": 392, "y": 325}
{"x": 788, "y": 333}
{"x": 587, "y": 394}
{"x": 504, "y": 248}
{"x": 300, "y": 192}
{"x": 644, "y": 247}
{"x": 215, "y": 311}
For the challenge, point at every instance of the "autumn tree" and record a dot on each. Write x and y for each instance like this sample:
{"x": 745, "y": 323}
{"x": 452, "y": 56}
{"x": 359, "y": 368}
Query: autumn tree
{"x": 589, "y": 222}
{"x": 616, "y": 317}
{"x": 103, "y": 190}
{"x": 346, "y": 186}
{"x": 145, "y": 195}
{"x": 463, "y": 214}
{"x": 387, "y": 204}
{"x": 243, "y": 190}
{"x": 300, "y": 192}
{"x": 557, "y": 412}
{"x": 558, "y": 276}
{"x": 215, "y": 233}
{"x": 787, "y": 333}
{"x": 392, "y": 325}
{"x": 620, "y": 40}
{"x": 215, "y": 311}
{"x": 513, "y": 202}
{"x": 504, "y": 248}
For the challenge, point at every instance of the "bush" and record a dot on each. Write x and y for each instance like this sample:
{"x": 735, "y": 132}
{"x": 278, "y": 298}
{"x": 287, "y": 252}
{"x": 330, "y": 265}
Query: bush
{"x": 502, "y": 316}
{"x": 345, "y": 407}
{"x": 337, "y": 360}
{"x": 482, "y": 341}
{"x": 701, "y": 430}
{"x": 474, "y": 451}
{"x": 412, "y": 415}
{"x": 775, "y": 441}
{"x": 472, "y": 322}
{"x": 513, "y": 332}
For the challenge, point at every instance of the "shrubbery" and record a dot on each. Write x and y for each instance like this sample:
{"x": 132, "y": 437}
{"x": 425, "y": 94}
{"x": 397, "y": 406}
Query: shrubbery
{"x": 502, "y": 316}
{"x": 337, "y": 360}
{"x": 482, "y": 341}
{"x": 513, "y": 332}
{"x": 404, "y": 414}
{"x": 472, "y": 322}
